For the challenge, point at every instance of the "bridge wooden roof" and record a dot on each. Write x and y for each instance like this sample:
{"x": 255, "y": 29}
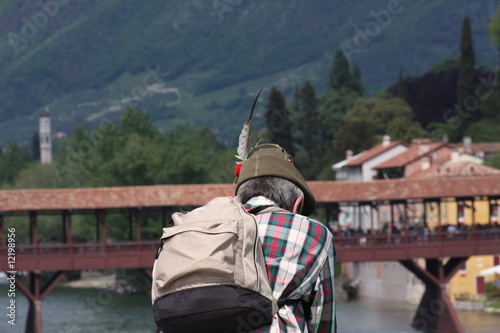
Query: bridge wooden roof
{"x": 196, "y": 195}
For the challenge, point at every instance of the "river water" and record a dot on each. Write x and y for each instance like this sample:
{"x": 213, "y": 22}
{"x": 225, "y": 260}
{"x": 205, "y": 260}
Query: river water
{"x": 67, "y": 310}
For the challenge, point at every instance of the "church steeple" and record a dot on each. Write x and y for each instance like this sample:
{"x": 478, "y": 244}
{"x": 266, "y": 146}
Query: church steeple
{"x": 45, "y": 138}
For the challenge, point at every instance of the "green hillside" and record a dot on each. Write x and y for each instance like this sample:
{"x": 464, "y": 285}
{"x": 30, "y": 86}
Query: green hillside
{"x": 201, "y": 62}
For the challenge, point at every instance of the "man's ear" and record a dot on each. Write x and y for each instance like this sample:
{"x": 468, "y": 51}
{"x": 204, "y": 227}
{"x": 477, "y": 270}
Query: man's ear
{"x": 297, "y": 205}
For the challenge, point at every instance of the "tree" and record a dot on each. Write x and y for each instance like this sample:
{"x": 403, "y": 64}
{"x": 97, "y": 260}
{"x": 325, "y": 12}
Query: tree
{"x": 305, "y": 121}
{"x": 278, "y": 121}
{"x": 402, "y": 91}
{"x": 344, "y": 88}
{"x": 356, "y": 134}
{"x": 370, "y": 119}
{"x": 447, "y": 65}
{"x": 333, "y": 107}
{"x": 340, "y": 74}
{"x": 466, "y": 63}
{"x": 466, "y": 79}
{"x": 494, "y": 162}
{"x": 306, "y": 117}
{"x": 38, "y": 175}
{"x": 135, "y": 152}
{"x": 357, "y": 83}
{"x": 484, "y": 131}
{"x": 381, "y": 111}
{"x": 494, "y": 28}
{"x": 490, "y": 106}
{"x": 35, "y": 147}
{"x": 13, "y": 159}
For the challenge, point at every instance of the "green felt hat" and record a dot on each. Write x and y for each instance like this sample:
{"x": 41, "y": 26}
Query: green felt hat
{"x": 271, "y": 160}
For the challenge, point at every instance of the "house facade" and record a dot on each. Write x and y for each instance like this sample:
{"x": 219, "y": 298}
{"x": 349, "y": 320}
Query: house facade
{"x": 453, "y": 216}
{"x": 421, "y": 158}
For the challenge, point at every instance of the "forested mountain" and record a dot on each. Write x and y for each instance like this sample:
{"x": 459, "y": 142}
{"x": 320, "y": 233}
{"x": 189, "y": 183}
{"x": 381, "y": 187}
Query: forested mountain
{"x": 202, "y": 62}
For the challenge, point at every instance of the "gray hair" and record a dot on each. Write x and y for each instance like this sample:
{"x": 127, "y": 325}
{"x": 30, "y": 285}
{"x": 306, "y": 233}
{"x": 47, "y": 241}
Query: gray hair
{"x": 281, "y": 191}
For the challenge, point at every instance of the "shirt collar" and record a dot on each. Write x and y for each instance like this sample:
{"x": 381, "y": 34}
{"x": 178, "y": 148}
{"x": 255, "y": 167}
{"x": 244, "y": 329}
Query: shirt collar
{"x": 260, "y": 201}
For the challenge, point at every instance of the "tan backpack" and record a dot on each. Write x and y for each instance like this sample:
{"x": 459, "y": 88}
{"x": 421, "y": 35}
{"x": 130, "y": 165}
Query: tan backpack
{"x": 209, "y": 274}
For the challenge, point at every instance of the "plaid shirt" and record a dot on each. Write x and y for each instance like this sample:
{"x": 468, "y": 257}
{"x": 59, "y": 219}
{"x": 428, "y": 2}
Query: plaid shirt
{"x": 300, "y": 258}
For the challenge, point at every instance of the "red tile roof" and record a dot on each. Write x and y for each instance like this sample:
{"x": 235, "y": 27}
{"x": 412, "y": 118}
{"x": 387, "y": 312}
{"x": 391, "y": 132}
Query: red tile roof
{"x": 487, "y": 147}
{"x": 412, "y": 154}
{"x": 197, "y": 195}
{"x": 457, "y": 169}
{"x": 111, "y": 197}
{"x": 372, "y": 153}
{"x": 406, "y": 188}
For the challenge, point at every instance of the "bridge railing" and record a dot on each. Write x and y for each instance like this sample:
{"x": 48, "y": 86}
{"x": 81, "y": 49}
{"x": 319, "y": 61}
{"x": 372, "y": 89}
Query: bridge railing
{"x": 340, "y": 241}
{"x": 396, "y": 239}
{"x": 85, "y": 248}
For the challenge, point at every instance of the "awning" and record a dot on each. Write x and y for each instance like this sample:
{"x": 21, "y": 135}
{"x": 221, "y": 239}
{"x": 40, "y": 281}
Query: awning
{"x": 491, "y": 270}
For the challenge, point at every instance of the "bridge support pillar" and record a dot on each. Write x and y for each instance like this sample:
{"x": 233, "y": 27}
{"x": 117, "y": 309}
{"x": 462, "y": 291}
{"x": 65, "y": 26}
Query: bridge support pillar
{"x": 435, "y": 312}
{"x": 36, "y": 295}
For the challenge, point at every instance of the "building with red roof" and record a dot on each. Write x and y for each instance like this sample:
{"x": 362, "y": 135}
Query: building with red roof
{"x": 359, "y": 167}
{"x": 439, "y": 163}
{"x": 419, "y": 156}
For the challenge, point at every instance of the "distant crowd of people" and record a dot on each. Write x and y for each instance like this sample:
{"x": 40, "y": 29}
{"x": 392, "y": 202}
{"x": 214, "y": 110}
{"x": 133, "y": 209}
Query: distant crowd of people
{"x": 422, "y": 233}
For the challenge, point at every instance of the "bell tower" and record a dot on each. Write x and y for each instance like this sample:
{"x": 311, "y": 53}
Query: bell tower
{"x": 45, "y": 139}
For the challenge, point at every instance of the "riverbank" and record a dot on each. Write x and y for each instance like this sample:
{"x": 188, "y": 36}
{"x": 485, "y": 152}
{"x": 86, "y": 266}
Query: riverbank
{"x": 92, "y": 279}
{"x": 476, "y": 306}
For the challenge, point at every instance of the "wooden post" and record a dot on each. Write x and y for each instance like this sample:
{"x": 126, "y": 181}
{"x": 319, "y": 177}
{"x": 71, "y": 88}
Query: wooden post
{"x": 138, "y": 224}
{"x": 489, "y": 211}
{"x": 380, "y": 225}
{"x": 439, "y": 221}
{"x": 102, "y": 220}
{"x": 406, "y": 219}
{"x": 370, "y": 235}
{"x": 1, "y": 231}
{"x": 425, "y": 214}
{"x": 473, "y": 208}
{"x": 97, "y": 227}
{"x": 130, "y": 232}
{"x": 391, "y": 225}
{"x": 163, "y": 217}
{"x": 355, "y": 218}
{"x": 64, "y": 233}
{"x": 339, "y": 226}
{"x": 33, "y": 228}
{"x": 70, "y": 230}
{"x": 372, "y": 220}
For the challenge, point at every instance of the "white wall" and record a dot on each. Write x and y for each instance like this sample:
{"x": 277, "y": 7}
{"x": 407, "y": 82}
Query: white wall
{"x": 381, "y": 158}
{"x": 394, "y": 282}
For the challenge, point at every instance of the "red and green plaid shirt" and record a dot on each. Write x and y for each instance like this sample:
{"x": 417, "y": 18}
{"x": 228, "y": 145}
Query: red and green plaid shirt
{"x": 300, "y": 258}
